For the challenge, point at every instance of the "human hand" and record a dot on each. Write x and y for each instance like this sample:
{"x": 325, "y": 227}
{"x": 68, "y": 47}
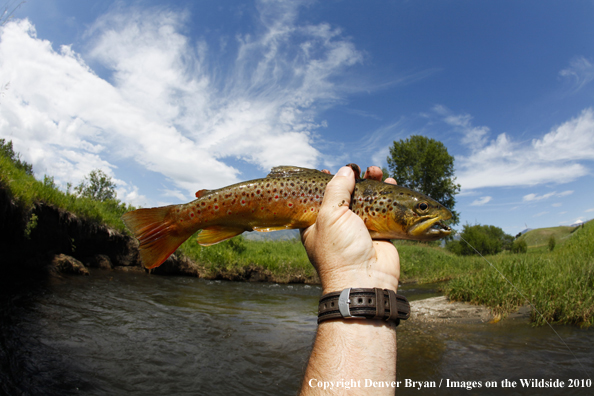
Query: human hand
{"x": 339, "y": 245}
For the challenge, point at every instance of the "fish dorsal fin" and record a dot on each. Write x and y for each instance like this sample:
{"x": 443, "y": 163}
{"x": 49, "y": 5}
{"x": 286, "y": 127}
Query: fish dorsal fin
{"x": 201, "y": 193}
{"x": 215, "y": 234}
{"x": 284, "y": 171}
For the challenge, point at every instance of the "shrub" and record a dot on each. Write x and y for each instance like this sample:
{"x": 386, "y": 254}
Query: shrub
{"x": 486, "y": 239}
{"x": 552, "y": 243}
{"x": 519, "y": 246}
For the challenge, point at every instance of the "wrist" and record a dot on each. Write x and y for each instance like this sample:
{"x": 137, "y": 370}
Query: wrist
{"x": 357, "y": 278}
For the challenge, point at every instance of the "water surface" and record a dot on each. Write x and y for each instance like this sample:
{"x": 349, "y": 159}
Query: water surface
{"x": 115, "y": 333}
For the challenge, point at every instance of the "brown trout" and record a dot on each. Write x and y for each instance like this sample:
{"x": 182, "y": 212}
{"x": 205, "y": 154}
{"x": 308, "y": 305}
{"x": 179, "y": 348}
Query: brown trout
{"x": 289, "y": 197}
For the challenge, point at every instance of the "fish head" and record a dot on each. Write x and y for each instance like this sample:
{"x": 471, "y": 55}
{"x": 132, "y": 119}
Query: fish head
{"x": 409, "y": 215}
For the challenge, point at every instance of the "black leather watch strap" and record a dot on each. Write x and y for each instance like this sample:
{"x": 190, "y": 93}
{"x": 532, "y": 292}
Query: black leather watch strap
{"x": 382, "y": 304}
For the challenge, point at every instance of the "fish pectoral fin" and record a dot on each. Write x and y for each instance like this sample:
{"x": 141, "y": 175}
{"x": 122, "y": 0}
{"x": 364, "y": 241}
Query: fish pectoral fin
{"x": 283, "y": 171}
{"x": 216, "y": 234}
{"x": 269, "y": 229}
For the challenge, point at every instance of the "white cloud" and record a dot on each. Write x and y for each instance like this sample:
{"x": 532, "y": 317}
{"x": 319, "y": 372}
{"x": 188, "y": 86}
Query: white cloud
{"x": 536, "y": 197}
{"x": 556, "y": 205}
{"x": 166, "y": 105}
{"x": 503, "y": 162}
{"x": 481, "y": 201}
{"x": 540, "y": 214}
{"x": 590, "y": 210}
{"x": 580, "y": 70}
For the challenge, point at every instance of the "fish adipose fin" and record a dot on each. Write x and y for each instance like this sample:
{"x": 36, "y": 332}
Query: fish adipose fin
{"x": 215, "y": 234}
{"x": 158, "y": 236}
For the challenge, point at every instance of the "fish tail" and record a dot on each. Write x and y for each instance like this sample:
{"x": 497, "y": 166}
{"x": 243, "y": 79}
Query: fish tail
{"x": 158, "y": 235}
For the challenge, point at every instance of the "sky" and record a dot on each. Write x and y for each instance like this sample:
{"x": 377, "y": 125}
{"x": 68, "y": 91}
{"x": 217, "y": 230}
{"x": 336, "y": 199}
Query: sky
{"x": 171, "y": 97}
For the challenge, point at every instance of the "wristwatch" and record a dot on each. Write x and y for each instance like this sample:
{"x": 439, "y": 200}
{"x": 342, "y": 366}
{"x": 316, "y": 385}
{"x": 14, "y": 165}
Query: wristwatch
{"x": 360, "y": 303}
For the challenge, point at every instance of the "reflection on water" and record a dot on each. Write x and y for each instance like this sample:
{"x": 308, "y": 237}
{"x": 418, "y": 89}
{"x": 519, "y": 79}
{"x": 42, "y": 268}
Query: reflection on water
{"x": 120, "y": 333}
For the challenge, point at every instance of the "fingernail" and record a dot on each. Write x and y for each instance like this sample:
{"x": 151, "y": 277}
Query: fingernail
{"x": 344, "y": 171}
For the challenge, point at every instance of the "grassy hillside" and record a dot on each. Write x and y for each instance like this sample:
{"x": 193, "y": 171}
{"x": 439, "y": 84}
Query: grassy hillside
{"x": 540, "y": 237}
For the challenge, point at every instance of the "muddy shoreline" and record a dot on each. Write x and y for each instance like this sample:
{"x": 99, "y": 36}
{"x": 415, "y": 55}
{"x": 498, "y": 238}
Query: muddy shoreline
{"x": 442, "y": 310}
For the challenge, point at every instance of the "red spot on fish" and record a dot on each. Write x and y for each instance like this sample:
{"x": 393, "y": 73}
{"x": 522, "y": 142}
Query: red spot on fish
{"x": 192, "y": 214}
{"x": 290, "y": 205}
{"x": 276, "y": 197}
{"x": 262, "y": 208}
{"x": 216, "y": 207}
{"x": 228, "y": 212}
{"x": 312, "y": 209}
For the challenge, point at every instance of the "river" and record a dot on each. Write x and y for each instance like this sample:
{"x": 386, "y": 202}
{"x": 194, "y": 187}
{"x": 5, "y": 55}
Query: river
{"x": 117, "y": 333}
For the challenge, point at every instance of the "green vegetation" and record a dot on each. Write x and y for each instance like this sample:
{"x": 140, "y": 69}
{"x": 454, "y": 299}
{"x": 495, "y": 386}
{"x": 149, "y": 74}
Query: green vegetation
{"x": 484, "y": 239}
{"x": 427, "y": 263}
{"x": 559, "y": 283}
{"x": 283, "y": 261}
{"x": 17, "y": 177}
{"x": 423, "y": 164}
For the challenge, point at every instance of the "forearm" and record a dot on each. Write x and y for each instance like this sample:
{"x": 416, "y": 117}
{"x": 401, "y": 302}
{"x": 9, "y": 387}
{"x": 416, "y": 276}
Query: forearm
{"x": 351, "y": 353}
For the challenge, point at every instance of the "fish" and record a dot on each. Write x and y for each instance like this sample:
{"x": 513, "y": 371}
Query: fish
{"x": 288, "y": 198}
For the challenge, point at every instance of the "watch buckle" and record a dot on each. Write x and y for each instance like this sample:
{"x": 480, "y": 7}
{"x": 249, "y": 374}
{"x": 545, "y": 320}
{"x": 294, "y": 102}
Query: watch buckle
{"x": 343, "y": 305}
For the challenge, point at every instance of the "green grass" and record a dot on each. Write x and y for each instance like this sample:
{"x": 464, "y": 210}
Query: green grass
{"x": 426, "y": 263}
{"x": 560, "y": 284}
{"x": 26, "y": 191}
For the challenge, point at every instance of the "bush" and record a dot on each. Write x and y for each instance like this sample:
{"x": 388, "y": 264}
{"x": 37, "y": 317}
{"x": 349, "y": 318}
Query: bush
{"x": 552, "y": 243}
{"x": 519, "y": 246}
{"x": 485, "y": 239}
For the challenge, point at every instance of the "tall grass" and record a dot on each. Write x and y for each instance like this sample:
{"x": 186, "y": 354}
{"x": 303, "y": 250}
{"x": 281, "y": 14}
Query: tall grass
{"x": 26, "y": 191}
{"x": 560, "y": 284}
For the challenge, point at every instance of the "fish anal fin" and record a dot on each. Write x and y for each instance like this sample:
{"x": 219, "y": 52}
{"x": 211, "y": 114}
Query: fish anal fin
{"x": 201, "y": 193}
{"x": 215, "y": 234}
{"x": 270, "y": 229}
{"x": 284, "y": 171}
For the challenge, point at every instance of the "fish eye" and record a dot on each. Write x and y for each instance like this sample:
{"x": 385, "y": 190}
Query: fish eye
{"x": 423, "y": 206}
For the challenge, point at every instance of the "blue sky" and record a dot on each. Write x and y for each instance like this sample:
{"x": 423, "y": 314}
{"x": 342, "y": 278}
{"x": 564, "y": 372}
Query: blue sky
{"x": 170, "y": 97}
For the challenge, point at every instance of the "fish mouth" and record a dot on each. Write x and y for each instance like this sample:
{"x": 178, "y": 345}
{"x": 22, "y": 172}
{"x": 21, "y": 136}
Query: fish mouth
{"x": 430, "y": 228}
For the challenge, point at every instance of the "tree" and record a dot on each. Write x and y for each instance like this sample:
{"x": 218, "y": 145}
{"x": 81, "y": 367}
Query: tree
{"x": 97, "y": 186}
{"x": 423, "y": 164}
